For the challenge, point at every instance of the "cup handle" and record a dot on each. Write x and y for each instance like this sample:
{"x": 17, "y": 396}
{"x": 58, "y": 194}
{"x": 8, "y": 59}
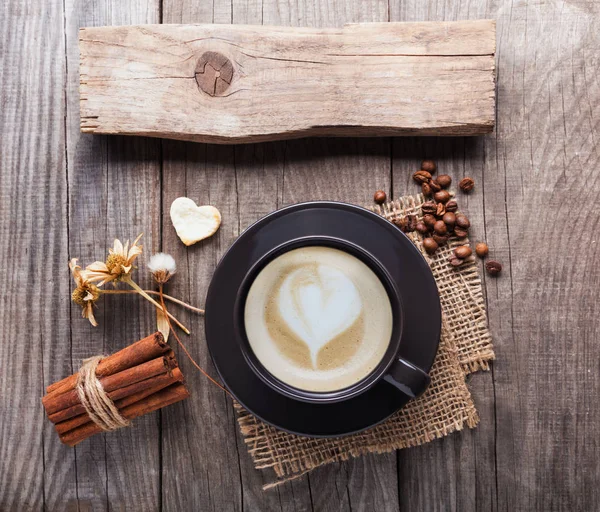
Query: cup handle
{"x": 407, "y": 377}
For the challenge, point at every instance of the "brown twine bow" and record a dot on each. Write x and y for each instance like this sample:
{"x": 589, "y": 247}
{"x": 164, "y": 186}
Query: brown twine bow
{"x": 100, "y": 408}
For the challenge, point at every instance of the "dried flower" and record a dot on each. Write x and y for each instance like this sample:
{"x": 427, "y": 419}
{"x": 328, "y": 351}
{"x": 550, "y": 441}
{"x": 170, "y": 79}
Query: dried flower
{"x": 85, "y": 294}
{"x": 162, "y": 266}
{"x": 118, "y": 268}
{"x": 118, "y": 265}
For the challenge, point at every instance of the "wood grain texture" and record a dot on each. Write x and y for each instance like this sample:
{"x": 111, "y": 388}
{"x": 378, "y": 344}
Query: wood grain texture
{"x": 206, "y": 475}
{"x": 114, "y": 191}
{"x": 250, "y": 83}
{"x": 34, "y": 305}
{"x": 536, "y": 447}
{"x": 527, "y": 453}
{"x": 470, "y": 456}
{"x": 544, "y": 311}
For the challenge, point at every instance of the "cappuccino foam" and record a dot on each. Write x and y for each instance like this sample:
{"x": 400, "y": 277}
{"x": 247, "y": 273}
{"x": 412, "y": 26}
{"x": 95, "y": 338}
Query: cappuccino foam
{"x": 318, "y": 318}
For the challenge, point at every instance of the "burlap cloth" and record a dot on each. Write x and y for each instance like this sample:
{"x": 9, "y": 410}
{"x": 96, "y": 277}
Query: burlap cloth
{"x": 446, "y": 406}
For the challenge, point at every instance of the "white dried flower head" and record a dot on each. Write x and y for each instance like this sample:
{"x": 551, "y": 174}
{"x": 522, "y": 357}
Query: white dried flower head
{"x": 162, "y": 266}
{"x": 118, "y": 265}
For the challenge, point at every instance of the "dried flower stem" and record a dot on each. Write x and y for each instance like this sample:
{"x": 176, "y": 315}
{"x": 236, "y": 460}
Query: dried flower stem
{"x": 152, "y": 292}
{"x": 135, "y": 286}
{"x": 164, "y": 308}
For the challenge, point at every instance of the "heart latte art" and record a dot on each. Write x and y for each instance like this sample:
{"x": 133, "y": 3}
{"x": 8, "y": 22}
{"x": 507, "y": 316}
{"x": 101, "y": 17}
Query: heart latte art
{"x": 318, "y": 318}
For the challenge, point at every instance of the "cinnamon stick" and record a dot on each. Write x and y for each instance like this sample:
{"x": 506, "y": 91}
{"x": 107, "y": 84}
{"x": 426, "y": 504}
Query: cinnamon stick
{"x": 139, "y": 352}
{"x": 54, "y": 403}
{"x": 114, "y": 395}
{"x": 164, "y": 397}
{"x": 123, "y": 397}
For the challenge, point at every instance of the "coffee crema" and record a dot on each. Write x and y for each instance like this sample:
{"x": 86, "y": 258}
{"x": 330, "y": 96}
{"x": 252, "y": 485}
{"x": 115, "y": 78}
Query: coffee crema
{"x": 318, "y": 318}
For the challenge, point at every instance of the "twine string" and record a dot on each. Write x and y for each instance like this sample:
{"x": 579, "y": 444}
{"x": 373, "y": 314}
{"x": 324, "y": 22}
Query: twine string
{"x": 100, "y": 408}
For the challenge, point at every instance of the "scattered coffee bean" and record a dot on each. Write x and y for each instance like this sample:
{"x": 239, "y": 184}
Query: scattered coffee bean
{"x": 462, "y": 252}
{"x": 429, "y": 166}
{"x": 454, "y": 261}
{"x": 441, "y": 240}
{"x": 401, "y": 222}
{"x": 451, "y": 206}
{"x": 482, "y": 249}
{"x": 440, "y": 220}
{"x": 449, "y": 218}
{"x": 428, "y": 207}
{"x": 380, "y": 197}
{"x": 466, "y": 184}
{"x": 493, "y": 267}
{"x": 440, "y": 227}
{"x": 422, "y": 228}
{"x": 421, "y": 177}
{"x": 430, "y": 245}
{"x": 411, "y": 223}
{"x": 462, "y": 221}
{"x": 460, "y": 232}
{"x": 444, "y": 180}
{"x": 435, "y": 186}
{"x": 443, "y": 196}
{"x": 429, "y": 220}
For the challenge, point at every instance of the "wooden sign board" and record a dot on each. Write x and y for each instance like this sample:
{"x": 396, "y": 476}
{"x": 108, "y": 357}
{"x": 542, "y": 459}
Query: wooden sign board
{"x": 236, "y": 83}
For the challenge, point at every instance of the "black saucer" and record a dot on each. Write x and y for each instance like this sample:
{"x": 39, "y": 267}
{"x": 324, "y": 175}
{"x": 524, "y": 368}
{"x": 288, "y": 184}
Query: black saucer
{"x": 406, "y": 266}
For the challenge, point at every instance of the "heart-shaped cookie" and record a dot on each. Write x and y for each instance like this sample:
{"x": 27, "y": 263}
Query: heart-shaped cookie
{"x": 318, "y": 304}
{"x": 192, "y": 222}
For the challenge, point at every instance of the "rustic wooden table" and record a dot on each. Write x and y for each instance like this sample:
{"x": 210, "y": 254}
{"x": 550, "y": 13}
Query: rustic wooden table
{"x": 64, "y": 195}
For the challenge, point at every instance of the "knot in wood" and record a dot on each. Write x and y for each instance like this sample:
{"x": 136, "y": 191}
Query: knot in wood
{"x": 214, "y": 73}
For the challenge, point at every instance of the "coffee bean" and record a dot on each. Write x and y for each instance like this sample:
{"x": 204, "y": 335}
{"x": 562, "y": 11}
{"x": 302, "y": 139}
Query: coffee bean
{"x": 429, "y": 166}
{"x": 429, "y": 220}
{"x": 428, "y": 207}
{"x": 462, "y": 252}
{"x": 443, "y": 196}
{"x": 460, "y": 232}
{"x": 411, "y": 223}
{"x": 421, "y": 177}
{"x": 493, "y": 267}
{"x": 454, "y": 261}
{"x": 451, "y": 206}
{"x": 430, "y": 245}
{"x": 482, "y": 249}
{"x": 441, "y": 209}
{"x": 435, "y": 186}
{"x": 422, "y": 228}
{"x": 380, "y": 197}
{"x": 440, "y": 227}
{"x": 466, "y": 184}
{"x": 441, "y": 240}
{"x": 444, "y": 180}
{"x": 401, "y": 222}
{"x": 426, "y": 189}
{"x": 462, "y": 221}
{"x": 449, "y": 218}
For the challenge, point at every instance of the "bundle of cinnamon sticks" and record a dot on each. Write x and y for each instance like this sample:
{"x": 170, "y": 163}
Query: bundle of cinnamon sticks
{"x": 139, "y": 379}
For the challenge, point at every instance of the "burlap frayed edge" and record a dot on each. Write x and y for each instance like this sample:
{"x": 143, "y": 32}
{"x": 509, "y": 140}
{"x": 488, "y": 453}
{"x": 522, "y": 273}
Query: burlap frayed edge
{"x": 247, "y": 426}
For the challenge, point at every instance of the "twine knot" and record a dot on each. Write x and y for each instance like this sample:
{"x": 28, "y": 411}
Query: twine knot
{"x": 100, "y": 408}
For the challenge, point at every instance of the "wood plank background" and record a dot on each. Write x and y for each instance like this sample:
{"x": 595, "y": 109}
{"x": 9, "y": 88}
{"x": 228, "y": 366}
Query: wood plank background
{"x": 63, "y": 195}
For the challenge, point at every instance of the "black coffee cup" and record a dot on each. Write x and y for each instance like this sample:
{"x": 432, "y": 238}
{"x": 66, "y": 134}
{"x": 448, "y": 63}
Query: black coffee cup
{"x": 403, "y": 271}
{"x": 393, "y": 369}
